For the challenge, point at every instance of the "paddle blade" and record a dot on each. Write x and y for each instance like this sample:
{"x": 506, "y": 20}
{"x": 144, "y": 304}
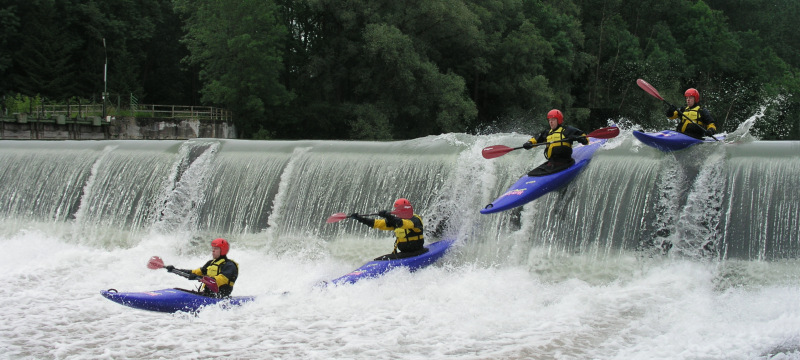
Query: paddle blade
{"x": 210, "y": 283}
{"x": 491, "y": 152}
{"x": 649, "y": 88}
{"x": 336, "y": 217}
{"x": 155, "y": 263}
{"x": 605, "y": 133}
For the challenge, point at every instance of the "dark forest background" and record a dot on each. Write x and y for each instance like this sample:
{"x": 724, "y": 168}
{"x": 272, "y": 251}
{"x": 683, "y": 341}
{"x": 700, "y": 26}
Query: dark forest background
{"x": 388, "y": 69}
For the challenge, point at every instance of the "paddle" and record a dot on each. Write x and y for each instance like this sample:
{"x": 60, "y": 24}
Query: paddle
{"x": 652, "y": 91}
{"x": 491, "y": 152}
{"x": 155, "y": 263}
{"x": 341, "y": 216}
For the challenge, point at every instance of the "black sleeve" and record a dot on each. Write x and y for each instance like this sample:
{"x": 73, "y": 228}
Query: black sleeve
{"x": 577, "y": 133}
{"x": 230, "y": 270}
{"x": 366, "y": 221}
{"x": 542, "y": 137}
{"x": 418, "y": 223}
{"x": 706, "y": 117}
{"x": 393, "y": 221}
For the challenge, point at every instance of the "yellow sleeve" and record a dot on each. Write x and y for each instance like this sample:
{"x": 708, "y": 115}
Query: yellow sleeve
{"x": 407, "y": 224}
{"x": 674, "y": 115}
{"x": 221, "y": 280}
{"x": 380, "y": 224}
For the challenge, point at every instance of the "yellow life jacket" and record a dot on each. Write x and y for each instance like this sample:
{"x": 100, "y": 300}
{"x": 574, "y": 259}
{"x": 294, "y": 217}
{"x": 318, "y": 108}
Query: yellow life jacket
{"x": 213, "y": 270}
{"x": 409, "y": 236}
{"x": 556, "y": 135}
{"x": 692, "y": 113}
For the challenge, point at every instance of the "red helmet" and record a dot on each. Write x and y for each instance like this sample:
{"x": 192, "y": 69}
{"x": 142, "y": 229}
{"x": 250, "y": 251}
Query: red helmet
{"x": 222, "y": 244}
{"x": 694, "y": 93}
{"x": 555, "y": 113}
{"x": 403, "y": 209}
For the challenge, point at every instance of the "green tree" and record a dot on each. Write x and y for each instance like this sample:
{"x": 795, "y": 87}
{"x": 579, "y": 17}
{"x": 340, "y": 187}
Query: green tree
{"x": 143, "y": 49}
{"x": 44, "y": 61}
{"x": 370, "y": 67}
{"x": 59, "y": 51}
{"x": 382, "y": 69}
{"x": 9, "y": 30}
{"x": 238, "y": 47}
{"x": 405, "y": 94}
{"x": 768, "y": 63}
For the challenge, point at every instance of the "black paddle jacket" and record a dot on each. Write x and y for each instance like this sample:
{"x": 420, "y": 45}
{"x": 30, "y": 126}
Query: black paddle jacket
{"x": 224, "y": 271}
{"x": 691, "y": 115}
{"x": 561, "y": 149}
{"x": 409, "y": 233}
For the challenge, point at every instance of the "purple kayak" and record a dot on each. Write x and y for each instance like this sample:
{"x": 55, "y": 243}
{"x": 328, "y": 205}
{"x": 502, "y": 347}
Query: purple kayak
{"x": 170, "y": 300}
{"x": 669, "y": 140}
{"x": 529, "y": 188}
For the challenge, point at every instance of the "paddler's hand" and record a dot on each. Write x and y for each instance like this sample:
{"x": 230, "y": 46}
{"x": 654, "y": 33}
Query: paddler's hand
{"x": 384, "y": 214}
{"x": 194, "y": 277}
{"x": 169, "y": 268}
{"x": 356, "y": 216}
{"x": 581, "y": 139}
{"x": 672, "y": 110}
{"x": 527, "y": 145}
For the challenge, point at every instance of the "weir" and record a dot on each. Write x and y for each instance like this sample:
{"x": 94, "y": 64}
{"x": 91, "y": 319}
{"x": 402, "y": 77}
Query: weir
{"x": 738, "y": 200}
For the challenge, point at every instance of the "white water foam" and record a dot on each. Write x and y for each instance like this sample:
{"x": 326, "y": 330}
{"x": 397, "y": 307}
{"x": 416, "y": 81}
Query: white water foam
{"x": 565, "y": 308}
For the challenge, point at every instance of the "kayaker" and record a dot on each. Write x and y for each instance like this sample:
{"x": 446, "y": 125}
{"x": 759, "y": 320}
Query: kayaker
{"x": 559, "y": 148}
{"x": 695, "y": 120}
{"x": 407, "y": 227}
{"x": 223, "y": 270}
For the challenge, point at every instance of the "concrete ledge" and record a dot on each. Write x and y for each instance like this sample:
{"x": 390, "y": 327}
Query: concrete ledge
{"x": 120, "y": 128}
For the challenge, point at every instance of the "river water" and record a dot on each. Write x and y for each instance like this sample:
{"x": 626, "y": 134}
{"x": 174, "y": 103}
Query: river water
{"x": 577, "y": 274}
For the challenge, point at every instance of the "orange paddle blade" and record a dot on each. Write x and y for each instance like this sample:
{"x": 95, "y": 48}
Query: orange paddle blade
{"x": 336, "y": 217}
{"x": 491, "y": 152}
{"x": 649, "y": 88}
{"x": 605, "y": 133}
{"x": 210, "y": 283}
{"x": 155, "y": 263}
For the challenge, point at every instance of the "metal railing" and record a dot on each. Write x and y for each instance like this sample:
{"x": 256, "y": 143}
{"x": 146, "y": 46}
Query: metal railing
{"x": 141, "y": 110}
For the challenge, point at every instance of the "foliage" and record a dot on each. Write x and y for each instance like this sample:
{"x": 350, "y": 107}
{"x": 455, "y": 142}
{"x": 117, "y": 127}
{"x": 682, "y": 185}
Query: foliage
{"x": 382, "y": 70}
{"x": 238, "y": 47}
{"x": 55, "y": 48}
{"x": 21, "y": 104}
{"x": 262, "y": 134}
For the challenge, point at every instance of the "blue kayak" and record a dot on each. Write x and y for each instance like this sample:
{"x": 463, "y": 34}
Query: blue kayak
{"x": 669, "y": 140}
{"x": 170, "y": 300}
{"x": 529, "y": 188}
{"x": 378, "y": 267}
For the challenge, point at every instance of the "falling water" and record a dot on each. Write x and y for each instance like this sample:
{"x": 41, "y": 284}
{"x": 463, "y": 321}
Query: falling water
{"x": 578, "y": 273}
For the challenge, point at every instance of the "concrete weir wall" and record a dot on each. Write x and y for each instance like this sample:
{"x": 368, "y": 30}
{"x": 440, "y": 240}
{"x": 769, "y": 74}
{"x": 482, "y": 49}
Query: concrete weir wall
{"x": 22, "y": 127}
